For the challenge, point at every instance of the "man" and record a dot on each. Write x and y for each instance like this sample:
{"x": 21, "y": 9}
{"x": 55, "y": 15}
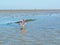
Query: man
{"x": 22, "y": 23}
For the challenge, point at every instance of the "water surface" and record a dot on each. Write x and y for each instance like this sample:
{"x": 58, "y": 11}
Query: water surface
{"x": 45, "y": 30}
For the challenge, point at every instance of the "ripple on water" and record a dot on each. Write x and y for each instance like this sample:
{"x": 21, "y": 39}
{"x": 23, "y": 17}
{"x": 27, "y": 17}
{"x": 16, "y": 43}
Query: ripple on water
{"x": 44, "y": 31}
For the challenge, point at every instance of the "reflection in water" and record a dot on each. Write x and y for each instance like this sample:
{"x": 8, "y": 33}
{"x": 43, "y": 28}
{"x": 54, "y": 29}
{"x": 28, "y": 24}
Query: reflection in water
{"x": 29, "y": 39}
{"x": 23, "y": 33}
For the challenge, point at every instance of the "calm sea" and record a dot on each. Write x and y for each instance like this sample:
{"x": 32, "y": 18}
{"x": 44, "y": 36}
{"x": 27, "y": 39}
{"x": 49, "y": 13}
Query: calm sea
{"x": 45, "y": 30}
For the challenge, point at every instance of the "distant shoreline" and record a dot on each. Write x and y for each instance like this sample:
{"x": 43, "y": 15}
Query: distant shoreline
{"x": 40, "y": 10}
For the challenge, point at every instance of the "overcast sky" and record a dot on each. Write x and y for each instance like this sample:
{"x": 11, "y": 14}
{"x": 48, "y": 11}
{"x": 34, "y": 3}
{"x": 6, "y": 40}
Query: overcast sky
{"x": 29, "y": 4}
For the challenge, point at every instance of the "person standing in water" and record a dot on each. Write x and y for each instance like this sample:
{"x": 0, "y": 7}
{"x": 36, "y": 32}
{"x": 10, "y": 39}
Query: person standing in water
{"x": 22, "y": 23}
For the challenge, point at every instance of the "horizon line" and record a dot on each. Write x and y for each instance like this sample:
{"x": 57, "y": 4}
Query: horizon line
{"x": 33, "y": 10}
{"x": 29, "y": 9}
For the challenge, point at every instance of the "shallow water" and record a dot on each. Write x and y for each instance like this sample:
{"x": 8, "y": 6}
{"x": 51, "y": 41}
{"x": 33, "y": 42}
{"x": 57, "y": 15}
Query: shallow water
{"x": 45, "y": 30}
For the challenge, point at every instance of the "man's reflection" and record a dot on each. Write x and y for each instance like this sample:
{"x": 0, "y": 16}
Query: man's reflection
{"x": 23, "y": 35}
{"x": 23, "y": 31}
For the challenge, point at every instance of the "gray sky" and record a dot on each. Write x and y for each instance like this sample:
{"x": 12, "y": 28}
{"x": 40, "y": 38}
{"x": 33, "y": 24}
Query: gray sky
{"x": 29, "y": 4}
